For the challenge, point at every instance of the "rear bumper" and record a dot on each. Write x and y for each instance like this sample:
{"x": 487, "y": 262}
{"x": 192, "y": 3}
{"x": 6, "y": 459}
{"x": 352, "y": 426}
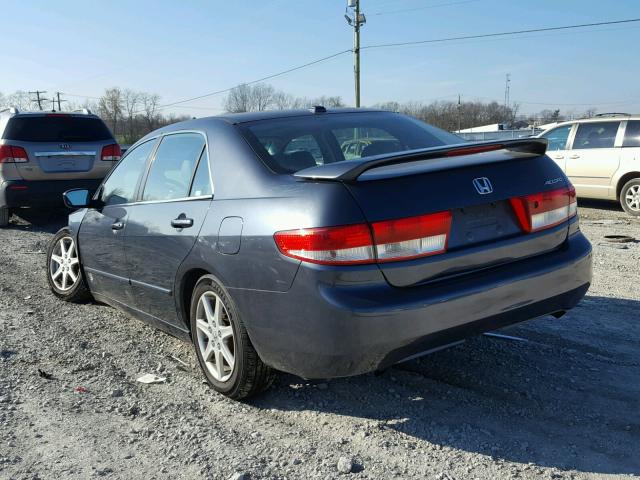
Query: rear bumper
{"x": 48, "y": 193}
{"x": 321, "y": 330}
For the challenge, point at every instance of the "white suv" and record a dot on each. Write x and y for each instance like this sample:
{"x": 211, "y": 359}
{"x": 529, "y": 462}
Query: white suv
{"x": 601, "y": 156}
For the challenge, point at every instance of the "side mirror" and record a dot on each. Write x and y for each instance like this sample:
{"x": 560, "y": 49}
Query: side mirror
{"x": 78, "y": 198}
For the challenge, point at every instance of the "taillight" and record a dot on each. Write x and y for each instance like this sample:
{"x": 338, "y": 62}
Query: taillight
{"x": 412, "y": 237}
{"x": 111, "y": 153}
{"x": 345, "y": 245}
{"x": 12, "y": 154}
{"x": 392, "y": 240}
{"x": 545, "y": 210}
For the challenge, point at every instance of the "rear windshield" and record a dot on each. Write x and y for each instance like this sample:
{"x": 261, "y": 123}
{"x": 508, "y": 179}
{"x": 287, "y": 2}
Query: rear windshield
{"x": 57, "y": 129}
{"x": 295, "y": 143}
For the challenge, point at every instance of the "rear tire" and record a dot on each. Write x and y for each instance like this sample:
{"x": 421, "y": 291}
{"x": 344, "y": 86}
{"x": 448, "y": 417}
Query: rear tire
{"x": 630, "y": 197}
{"x": 5, "y": 214}
{"x": 64, "y": 271}
{"x": 228, "y": 360}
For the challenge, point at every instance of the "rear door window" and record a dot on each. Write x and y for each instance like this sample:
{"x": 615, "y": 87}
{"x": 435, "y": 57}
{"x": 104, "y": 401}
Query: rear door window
{"x": 201, "y": 185}
{"x": 596, "y": 135}
{"x": 57, "y": 128}
{"x": 632, "y": 134}
{"x": 558, "y": 137}
{"x": 172, "y": 169}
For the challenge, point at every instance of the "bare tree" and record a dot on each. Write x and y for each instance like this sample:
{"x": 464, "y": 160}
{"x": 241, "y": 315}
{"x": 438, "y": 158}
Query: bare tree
{"x": 110, "y": 107}
{"x": 131, "y": 102}
{"x": 150, "y": 102}
{"x": 283, "y": 101}
{"x": 239, "y": 99}
{"x": 19, "y": 99}
{"x": 261, "y": 96}
{"x": 248, "y": 98}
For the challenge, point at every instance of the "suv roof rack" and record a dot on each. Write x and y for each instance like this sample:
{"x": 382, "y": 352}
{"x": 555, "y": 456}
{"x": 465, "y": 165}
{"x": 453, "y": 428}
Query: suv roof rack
{"x": 613, "y": 114}
{"x": 10, "y": 110}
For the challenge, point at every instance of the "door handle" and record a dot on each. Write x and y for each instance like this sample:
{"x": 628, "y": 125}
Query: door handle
{"x": 574, "y": 156}
{"x": 558, "y": 157}
{"x": 182, "y": 222}
{"x": 117, "y": 225}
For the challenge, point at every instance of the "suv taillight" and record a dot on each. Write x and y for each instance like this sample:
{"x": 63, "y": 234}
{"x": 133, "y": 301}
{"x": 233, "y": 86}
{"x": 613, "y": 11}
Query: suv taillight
{"x": 13, "y": 154}
{"x": 111, "y": 153}
{"x": 545, "y": 210}
{"x": 386, "y": 241}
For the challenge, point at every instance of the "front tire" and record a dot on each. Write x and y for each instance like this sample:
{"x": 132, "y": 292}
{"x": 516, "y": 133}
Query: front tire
{"x": 64, "y": 272}
{"x": 630, "y": 197}
{"x": 225, "y": 353}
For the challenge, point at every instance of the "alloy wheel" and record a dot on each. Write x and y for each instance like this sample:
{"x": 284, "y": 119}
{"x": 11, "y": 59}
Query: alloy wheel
{"x": 215, "y": 336}
{"x": 632, "y": 197}
{"x": 64, "y": 265}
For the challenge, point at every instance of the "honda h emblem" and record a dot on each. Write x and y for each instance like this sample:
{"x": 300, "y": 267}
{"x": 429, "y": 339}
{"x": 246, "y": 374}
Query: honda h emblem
{"x": 483, "y": 185}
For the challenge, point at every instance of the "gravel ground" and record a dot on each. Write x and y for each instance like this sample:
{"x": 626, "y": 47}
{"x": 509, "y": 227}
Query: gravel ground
{"x": 562, "y": 401}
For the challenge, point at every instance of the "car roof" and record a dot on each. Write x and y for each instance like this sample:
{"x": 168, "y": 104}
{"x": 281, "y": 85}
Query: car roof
{"x": 602, "y": 118}
{"x": 44, "y": 113}
{"x": 271, "y": 114}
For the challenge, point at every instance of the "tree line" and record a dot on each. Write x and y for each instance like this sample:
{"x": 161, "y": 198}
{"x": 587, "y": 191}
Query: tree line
{"x": 131, "y": 114}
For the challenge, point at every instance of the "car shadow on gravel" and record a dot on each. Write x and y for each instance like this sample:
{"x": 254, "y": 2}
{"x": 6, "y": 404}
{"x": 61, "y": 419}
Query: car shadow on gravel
{"x": 39, "y": 220}
{"x": 563, "y": 395}
{"x": 608, "y": 205}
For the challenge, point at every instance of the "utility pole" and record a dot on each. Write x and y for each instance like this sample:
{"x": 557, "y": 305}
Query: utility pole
{"x": 59, "y": 101}
{"x": 459, "y": 109}
{"x": 37, "y": 93}
{"x": 507, "y": 88}
{"x": 356, "y": 22}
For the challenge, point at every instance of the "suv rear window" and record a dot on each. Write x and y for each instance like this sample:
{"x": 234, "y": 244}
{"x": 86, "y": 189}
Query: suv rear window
{"x": 290, "y": 144}
{"x": 56, "y": 128}
{"x": 632, "y": 134}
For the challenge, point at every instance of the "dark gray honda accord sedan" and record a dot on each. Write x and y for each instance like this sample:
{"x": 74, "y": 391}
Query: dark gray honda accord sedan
{"x": 323, "y": 243}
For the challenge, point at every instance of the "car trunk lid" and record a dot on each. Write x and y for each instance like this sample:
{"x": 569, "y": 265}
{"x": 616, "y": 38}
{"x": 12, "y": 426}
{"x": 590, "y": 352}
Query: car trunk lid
{"x": 476, "y": 186}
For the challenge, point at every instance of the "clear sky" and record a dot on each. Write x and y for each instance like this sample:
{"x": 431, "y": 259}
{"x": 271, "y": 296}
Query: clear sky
{"x": 181, "y": 49}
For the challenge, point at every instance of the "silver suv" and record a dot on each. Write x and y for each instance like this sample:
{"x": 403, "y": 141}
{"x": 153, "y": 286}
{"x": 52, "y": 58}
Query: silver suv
{"x": 43, "y": 154}
{"x": 601, "y": 157}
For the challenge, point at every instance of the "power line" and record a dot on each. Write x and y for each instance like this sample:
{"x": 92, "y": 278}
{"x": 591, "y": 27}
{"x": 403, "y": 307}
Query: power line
{"x": 268, "y": 77}
{"x": 499, "y": 34}
{"x": 437, "y": 40}
{"x": 398, "y": 44}
{"x": 78, "y": 95}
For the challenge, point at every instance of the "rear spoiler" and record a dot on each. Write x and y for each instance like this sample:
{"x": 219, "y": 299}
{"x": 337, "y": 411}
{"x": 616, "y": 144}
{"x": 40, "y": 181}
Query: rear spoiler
{"x": 350, "y": 170}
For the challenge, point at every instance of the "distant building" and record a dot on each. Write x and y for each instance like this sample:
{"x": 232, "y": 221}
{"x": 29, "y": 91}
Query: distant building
{"x": 499, "y": 131}
{"x": 494, "y": 127}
